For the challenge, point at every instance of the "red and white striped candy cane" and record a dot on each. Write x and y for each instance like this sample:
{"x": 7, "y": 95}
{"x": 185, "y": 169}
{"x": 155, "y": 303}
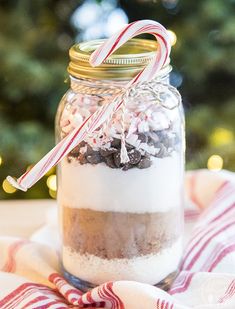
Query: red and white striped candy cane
{"x": 130, "y": 31}
{"x": 105, "y": 112}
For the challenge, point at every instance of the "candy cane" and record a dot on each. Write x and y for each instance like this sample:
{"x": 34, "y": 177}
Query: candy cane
{"x": 105, "y": 112}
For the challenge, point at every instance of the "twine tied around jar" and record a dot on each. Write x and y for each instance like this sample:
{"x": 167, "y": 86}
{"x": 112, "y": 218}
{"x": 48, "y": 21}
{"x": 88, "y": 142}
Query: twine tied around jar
{"x": 105, "y": 112}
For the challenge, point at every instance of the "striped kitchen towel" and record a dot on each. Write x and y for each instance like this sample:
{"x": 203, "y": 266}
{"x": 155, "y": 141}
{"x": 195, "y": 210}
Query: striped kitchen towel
{"x": 30, "y": 273}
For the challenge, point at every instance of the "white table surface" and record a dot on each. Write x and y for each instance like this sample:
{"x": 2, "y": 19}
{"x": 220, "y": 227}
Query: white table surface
{"x": 22, "y": 218}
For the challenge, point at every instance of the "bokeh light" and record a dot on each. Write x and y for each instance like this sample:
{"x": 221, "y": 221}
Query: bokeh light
{"x": 52, "y": 193}
{"x": 98, "y": 20}
{"x": 7, "y": 187}
{"x": 116, "y": 21}
{"x": 215, "y": 163}
{"x": 221, "y": 136}
{"x": 169, "y": 4}
{"x": 1, "y": 160}
{"x": 173, "y": 37}
{"x": 51, "y": 182}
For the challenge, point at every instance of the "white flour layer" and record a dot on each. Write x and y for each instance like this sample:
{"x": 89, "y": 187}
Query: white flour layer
{"x": 149, "y": 269}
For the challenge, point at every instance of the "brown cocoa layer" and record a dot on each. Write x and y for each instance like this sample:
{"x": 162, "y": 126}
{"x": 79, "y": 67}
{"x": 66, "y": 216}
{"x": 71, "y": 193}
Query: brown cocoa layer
{"x": 117, "y": 234}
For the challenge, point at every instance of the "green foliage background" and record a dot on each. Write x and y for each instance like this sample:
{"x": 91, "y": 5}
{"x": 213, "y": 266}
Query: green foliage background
{"x": 34, "y": 40}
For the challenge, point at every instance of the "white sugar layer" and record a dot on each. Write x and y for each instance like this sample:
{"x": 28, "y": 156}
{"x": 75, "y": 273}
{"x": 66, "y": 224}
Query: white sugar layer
{"x": 101, "y": 188}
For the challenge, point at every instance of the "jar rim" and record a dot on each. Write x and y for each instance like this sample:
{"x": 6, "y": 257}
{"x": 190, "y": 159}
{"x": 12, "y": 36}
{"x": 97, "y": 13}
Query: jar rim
{"x": 125, "y": 63}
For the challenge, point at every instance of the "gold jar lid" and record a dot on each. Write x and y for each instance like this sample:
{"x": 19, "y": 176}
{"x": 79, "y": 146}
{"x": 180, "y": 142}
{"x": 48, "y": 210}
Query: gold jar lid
{"x": 124, "y": 64}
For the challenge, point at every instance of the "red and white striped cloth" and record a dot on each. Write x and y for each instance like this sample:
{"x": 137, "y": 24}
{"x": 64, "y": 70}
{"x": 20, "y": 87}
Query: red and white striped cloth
{"x": 30, "y": 274}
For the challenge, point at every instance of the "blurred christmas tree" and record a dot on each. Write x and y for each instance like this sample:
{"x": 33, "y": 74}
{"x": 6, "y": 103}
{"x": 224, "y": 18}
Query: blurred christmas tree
{"x": 204, "y": 70}
{"x": 35, "y": 37}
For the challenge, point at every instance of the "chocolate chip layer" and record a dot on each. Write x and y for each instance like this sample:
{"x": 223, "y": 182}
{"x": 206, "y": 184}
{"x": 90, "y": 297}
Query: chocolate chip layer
{"x": 164, "y": 142}
{"x": 119, "y": 235}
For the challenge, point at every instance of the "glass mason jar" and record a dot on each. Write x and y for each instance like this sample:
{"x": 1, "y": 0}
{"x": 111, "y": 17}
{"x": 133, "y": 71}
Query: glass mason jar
{"x": 121, "y": 221}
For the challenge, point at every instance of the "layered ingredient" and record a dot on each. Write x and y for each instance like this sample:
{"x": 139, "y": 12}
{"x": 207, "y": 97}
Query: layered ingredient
{"x": 122, "y": 220}
{"x": 151, "y": 268}
{"x": 126, "y": 235}
{"x": 120, "y": 224}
